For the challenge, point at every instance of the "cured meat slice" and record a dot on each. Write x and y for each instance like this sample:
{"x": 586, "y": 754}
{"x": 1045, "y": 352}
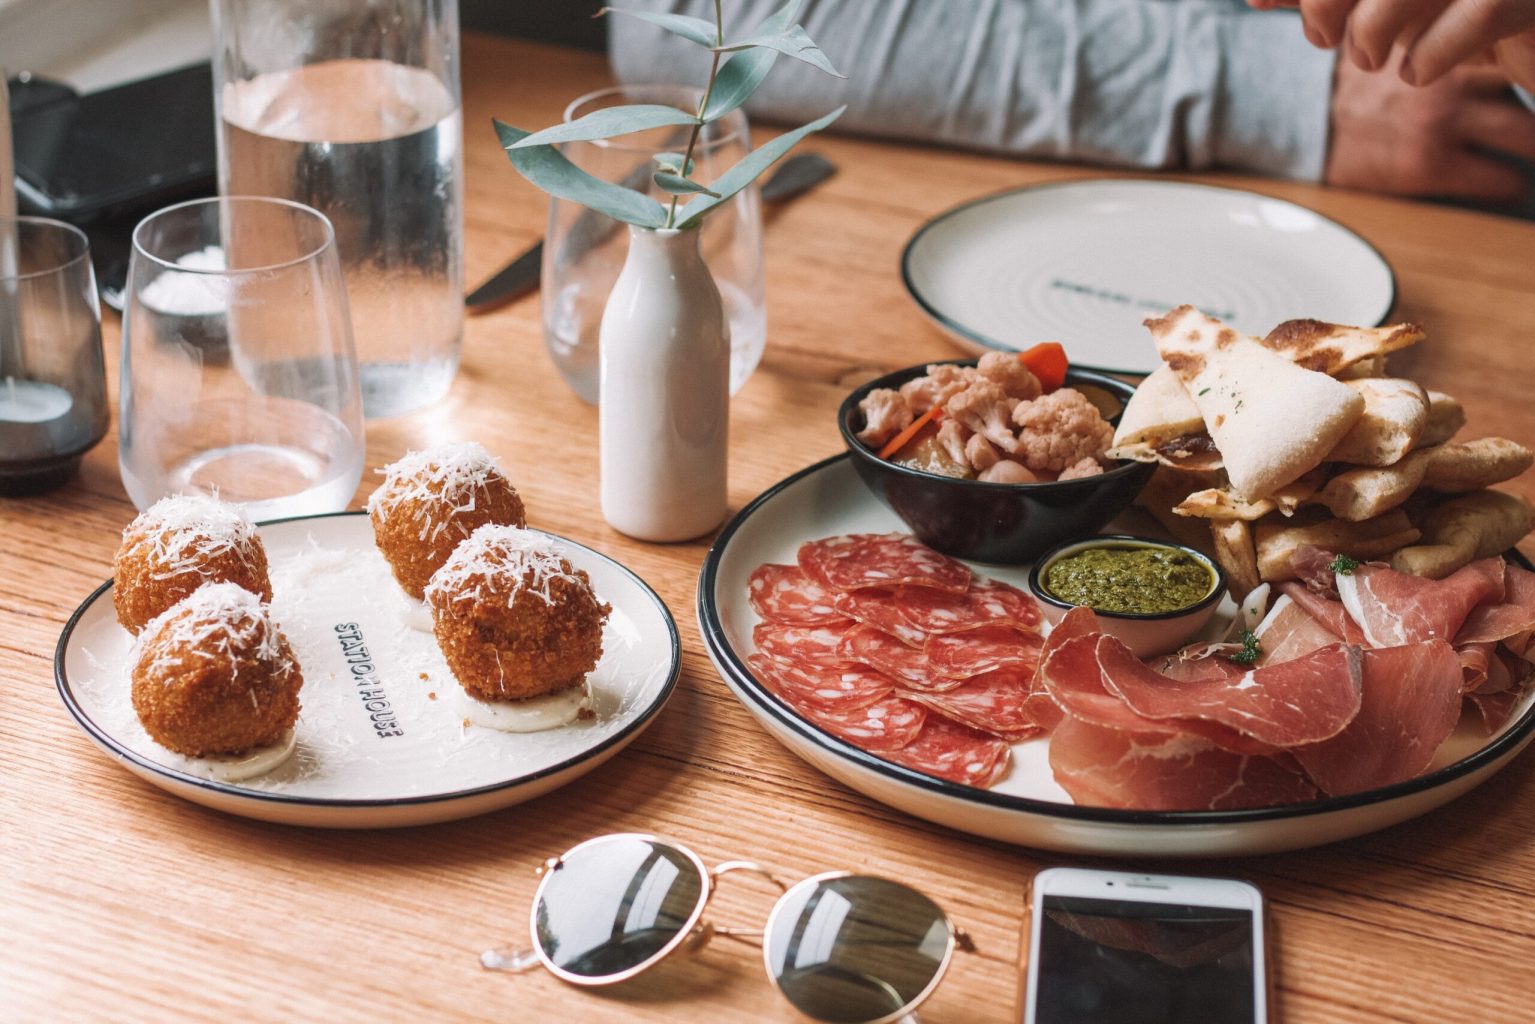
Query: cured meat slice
{"x": 1507, "y": 677}
{"x": 1512, "y": 619}
{"x": 1394, "y": 609}
{"x": 994, "y": 703}
{"x": 1411, "y": 702}
{"x": 948, "y": 750}
{"x": 881, "y": 651}
{"x": 1165, "y": 771}
{"x": 1325, "y": 611}
{"x": 967, "y": 654}
{"x": 884, "y": 726}
{"x": 1040, "y": 706}
{"x": 1289, "y": 631}
{"x": 988, "y": 602}
{"x": 876, "y": 607}
{"x": 860, "y": 560}
{"x": 1476, "y": 661}
{"x": 783, "y": 593}
{"x": 801, "y": 645}
{"x": 1305, "y": 700}
{"x": 845, "y": 688}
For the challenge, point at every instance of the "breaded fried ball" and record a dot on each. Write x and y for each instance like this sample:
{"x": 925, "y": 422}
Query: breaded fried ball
{"x": 214, "y": 675}
{"x": 513, "y": 617}
{"x": 178, "y": 544}
{"x": 430, "y": 501}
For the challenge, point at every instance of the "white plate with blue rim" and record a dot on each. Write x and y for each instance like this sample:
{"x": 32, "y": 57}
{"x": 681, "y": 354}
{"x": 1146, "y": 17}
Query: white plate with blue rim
{"x": 381, "y": 742}
{"x": 1084, "y": 262}
{"x": 1026, "y": 806}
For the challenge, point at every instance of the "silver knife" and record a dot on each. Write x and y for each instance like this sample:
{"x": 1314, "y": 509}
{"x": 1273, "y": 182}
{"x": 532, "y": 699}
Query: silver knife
{"x": 794, "y": 177}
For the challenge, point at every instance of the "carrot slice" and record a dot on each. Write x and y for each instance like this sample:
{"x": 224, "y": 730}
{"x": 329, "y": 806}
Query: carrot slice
{"x": 1047, "y": 361}
{"x": 898, "y": 442}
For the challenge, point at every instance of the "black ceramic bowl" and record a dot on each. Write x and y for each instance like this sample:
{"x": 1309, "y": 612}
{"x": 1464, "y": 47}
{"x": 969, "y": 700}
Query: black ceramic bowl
{"x": 998, "y": 523}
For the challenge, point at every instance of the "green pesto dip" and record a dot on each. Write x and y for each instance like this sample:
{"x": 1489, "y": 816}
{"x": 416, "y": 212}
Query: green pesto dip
{"x": 1140, "y": 580}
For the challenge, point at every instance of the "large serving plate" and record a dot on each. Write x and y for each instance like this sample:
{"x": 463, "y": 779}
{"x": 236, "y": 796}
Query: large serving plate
{"x": 1027, "y": 807}
{"x": 346, "y": 773}
{"x": 1084, "y": 262}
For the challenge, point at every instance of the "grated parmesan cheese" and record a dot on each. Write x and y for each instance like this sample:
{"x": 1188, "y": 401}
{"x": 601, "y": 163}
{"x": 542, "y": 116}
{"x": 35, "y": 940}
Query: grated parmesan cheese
{"x": 524, "y": 560}
{"x": 453, "y": 474}
{"x": 184, "y": 532}
{"x": 216, "y": 621}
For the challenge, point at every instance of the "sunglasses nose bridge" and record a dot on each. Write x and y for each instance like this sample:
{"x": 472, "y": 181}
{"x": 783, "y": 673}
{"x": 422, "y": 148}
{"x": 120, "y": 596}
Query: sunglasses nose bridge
{"x": 752, "y": 866}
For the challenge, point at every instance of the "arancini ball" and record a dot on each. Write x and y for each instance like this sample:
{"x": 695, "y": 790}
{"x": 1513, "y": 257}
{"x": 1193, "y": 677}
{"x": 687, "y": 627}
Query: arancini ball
{"x": 178, "y": 544}
{"x": 513, "y": 617}
{"x": 433, "y": 499}
{"x": 214, "y": 675}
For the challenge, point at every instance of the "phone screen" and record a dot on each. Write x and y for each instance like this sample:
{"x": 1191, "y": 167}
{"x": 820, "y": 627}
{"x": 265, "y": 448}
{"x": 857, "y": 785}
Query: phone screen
{"x": 1130, "y": 962}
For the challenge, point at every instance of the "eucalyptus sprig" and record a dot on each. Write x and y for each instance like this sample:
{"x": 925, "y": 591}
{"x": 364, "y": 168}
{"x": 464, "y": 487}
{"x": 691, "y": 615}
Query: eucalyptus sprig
{"x": 737, "y": 69}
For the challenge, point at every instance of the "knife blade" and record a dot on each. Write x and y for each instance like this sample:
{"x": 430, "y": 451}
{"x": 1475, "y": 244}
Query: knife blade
{"x": 794, "y": 177}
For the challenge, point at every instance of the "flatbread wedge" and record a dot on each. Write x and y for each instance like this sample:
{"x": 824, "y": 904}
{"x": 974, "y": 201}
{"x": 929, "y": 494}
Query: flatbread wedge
{"x": 1334, "y": 348}
{"x": 1395, "y": 413}
{"x": 1277, "y": 542}
{"x": 1162, "y": 424}
{"x": 1476, "y": 525}
{"x": 1447, "y": 468}
{"x": 1271, "y": 419}
{"x": 1236, "y": 555}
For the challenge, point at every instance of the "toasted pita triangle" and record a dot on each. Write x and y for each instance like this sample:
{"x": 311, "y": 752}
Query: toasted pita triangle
{"x": 1333, "y": 348}
{"x": 1271, "y": 419}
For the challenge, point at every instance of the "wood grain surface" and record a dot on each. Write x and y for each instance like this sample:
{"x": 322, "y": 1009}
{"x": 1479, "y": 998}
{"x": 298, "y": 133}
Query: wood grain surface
{"x": 121, "y": 902}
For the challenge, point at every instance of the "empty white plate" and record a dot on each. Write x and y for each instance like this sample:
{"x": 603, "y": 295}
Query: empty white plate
{"x": 389, "y": 748}
{"x": 1084, "y": 262}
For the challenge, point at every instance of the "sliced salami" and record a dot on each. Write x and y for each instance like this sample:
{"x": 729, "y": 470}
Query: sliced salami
{"x": 828, "y": 689}
{"x": 876, "y": 607}
{"x": 995, "y": 703}
{"x": 881, "y": 651}
{"x": 879, "y": 728}
{"x": 801, "y": 645}
{"x": 948, "y": 750}
{"x": 987, "y": 603}
{"x": 783, "y": 593}
{"x": 967, "y": 654}
{"x": 858, "y": 560}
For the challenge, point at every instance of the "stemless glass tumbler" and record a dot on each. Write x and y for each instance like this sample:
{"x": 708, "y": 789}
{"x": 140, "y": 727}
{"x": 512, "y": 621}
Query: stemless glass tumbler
{"x": 352, "y": 107}
{"x": 584, "y": 250}
{"x": 239, "y": 378}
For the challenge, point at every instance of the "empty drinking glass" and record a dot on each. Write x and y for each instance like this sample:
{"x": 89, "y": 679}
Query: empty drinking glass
{"x": 584, "y": 250}
{"x": 239, "y": 376}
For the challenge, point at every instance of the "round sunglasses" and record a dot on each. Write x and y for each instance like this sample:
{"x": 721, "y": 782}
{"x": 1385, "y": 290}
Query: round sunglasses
{"x": 842, "y": 948}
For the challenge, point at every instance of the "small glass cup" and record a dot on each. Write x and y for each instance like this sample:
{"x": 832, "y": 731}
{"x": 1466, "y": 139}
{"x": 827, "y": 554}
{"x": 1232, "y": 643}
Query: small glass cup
{"x": 53, "y": 384}
{"x": 584, "y": 250}
{"x": 239, "y": 376}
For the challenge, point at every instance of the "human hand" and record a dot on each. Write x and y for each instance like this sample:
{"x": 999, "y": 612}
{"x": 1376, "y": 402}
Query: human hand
{"x": 1437, "y": 34}
{"x": 1436, "y": 140}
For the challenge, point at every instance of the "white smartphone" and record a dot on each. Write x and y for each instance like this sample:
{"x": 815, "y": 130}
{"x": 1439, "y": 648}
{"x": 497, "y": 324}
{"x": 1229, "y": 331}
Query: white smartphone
{"x": 1117, "y": 948}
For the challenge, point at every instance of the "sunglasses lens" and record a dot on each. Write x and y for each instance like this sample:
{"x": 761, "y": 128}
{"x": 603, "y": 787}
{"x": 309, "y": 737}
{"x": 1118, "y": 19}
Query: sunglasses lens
{"x": 855, "y": 949}
{"x": 613, "y": 905}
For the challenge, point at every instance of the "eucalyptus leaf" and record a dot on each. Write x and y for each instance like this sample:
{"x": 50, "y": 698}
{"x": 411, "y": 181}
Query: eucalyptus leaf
{"x": 608, "y": 122}
{"x": 545, "y": 167}
{"x": 680, "y": 186}
{"x": 739, "y": 77}
{"x": 753, "y": 164}
{"x": 695, "y": 29}
{"x": 792, "y": 42}
{"x": 673, "y": 162}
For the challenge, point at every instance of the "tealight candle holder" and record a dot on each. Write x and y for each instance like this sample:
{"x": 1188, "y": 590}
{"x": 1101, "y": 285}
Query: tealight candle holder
{"x": 53, "y": 388}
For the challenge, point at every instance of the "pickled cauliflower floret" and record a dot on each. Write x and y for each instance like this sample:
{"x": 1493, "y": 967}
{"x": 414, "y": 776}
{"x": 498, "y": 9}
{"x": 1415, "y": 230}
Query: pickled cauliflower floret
{"x": 1058, "y": 430}
{"x": 951, "y": 437}
{"x": 885, "y": 414}
{"x": 1015, "y": 380}
{"x": 980, "y": 454}
{"x": 936, "y": 386}
{"x": 1077, "y": 470}
{"x": 986, "y": 409}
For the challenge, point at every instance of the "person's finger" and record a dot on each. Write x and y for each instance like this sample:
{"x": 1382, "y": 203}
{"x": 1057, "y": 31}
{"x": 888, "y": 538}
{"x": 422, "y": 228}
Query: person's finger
{"x": 1499, "y": 127}
{"x": 1469, "y": 176}
{"x": 1375, "y": 26}
{"x": 1324, "y": 20}
{"x": 1464, "y": 29}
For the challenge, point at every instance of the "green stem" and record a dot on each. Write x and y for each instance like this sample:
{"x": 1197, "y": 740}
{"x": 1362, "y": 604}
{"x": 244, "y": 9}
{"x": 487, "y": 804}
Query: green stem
{"x": 703, "y": 104}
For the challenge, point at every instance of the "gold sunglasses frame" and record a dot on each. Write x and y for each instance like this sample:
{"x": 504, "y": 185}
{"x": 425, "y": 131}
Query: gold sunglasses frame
{"x": 695, "y": 933}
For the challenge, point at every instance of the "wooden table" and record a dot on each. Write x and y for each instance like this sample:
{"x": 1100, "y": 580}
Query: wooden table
{"x": 121, "y": 902}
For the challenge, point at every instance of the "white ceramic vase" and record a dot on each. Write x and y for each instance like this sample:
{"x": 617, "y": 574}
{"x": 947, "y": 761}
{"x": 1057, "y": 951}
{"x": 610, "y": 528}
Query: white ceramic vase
{"x": 664, "y": 391}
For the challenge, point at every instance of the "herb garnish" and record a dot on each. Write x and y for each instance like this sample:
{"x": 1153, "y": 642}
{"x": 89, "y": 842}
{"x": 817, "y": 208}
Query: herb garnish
{"x": 1206, "y": 391}
{"x": 1251, "y": 650}
{"x": 1343, "y": 565}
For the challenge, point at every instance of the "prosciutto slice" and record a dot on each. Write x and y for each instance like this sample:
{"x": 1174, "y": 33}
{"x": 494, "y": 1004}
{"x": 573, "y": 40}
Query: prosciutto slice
{"x": 881, "y": 651}
{"x": 1328, "y": 613}
{"x": 829, "y": 689}
{"x": 1411, "y": 702}
{"x": 994, "y": 703}
{"x": 1289, "y": 631}
{"x": 1166, "y": 770}
{"x": 987, "y": 603}
{"x": 948, "y": 750}
{"x": 1393, "y": 609}
{"x": 962, "y": 655}
{"x": 858, "y": 560}
{"x": 782, "y": 593}
{"x": 877, "y": 608}
{"x": 1512, "y": 619}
